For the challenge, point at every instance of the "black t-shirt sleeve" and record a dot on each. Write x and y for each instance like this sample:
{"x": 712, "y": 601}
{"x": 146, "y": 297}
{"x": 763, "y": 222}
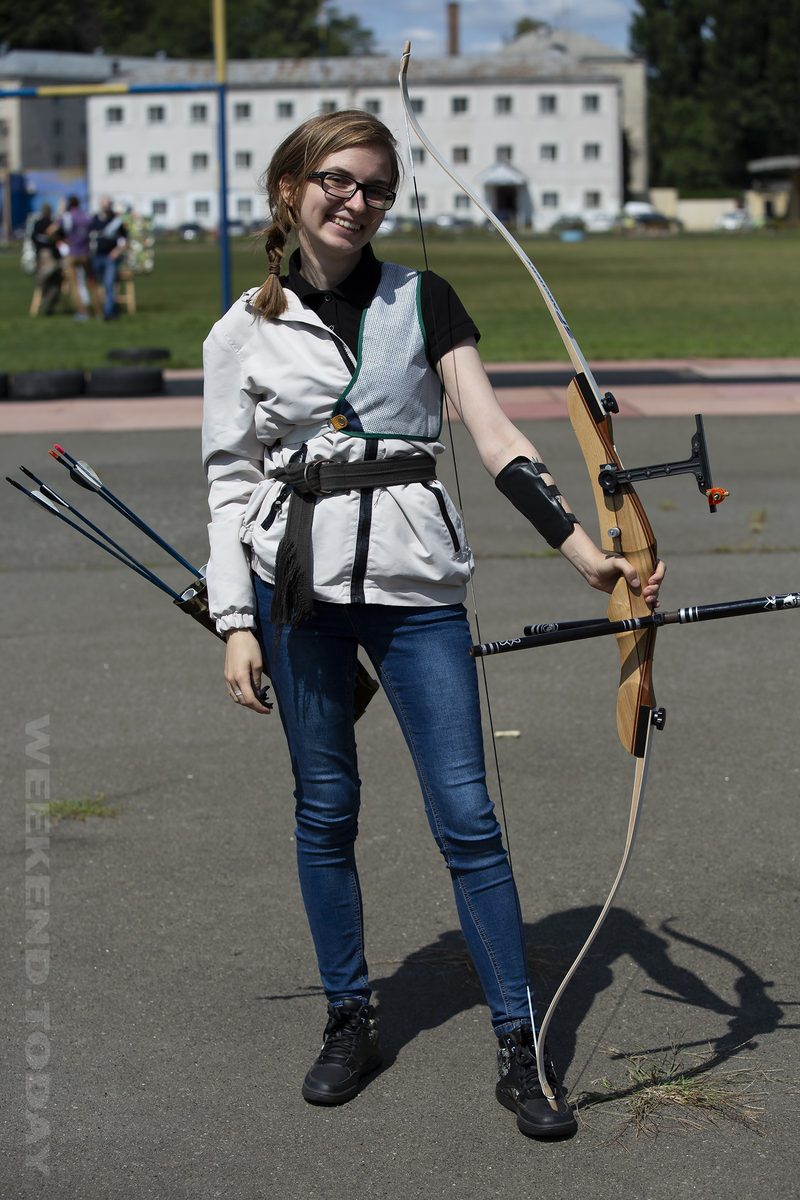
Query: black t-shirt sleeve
{"x": 446, "y": 320}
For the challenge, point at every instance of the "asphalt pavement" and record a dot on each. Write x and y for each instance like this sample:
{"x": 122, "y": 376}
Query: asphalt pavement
{"x": 161, "y": 997}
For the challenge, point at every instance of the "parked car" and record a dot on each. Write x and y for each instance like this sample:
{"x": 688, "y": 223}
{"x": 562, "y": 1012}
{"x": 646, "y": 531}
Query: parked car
{"x": 640, "y": 217}
{"x": 732, "y": 222}
{"x": 191, "y": 231}
{"x": 449, "y": 221}
{"x": 600, "y": 222}
{"x": 393, "y": 223}
{"x": 568, "y": 224}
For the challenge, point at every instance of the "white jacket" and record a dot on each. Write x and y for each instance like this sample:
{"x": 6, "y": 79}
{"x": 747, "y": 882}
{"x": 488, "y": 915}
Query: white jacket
{"x": 270, "y": 388}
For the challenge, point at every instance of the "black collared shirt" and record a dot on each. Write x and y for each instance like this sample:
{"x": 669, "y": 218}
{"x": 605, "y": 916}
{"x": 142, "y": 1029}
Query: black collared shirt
{"x": 446, "y": 320}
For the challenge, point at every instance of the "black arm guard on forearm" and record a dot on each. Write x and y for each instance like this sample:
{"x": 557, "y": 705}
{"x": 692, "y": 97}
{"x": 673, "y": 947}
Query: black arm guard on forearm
{"x": 521, "y": 483}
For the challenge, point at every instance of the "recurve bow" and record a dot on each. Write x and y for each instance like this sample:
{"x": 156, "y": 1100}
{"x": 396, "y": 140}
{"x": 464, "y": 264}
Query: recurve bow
{"x": 624, "y": 530}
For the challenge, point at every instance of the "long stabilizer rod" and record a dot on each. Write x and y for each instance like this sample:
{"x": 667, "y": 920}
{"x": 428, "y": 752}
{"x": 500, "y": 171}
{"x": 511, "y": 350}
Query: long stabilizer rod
{"x": 550, "y": 634}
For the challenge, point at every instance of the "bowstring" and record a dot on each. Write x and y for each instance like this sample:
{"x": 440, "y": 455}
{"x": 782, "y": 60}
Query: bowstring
{"x": 474, "y": 601}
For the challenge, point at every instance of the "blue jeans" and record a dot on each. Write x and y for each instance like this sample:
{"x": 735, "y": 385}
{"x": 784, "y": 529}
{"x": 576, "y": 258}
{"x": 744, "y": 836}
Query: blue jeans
{"x": 422, "y": 658}
{"x": 105, "y": 270}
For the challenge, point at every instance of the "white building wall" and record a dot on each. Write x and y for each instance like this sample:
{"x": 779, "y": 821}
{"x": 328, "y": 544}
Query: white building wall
{"x": 125, "y": 155}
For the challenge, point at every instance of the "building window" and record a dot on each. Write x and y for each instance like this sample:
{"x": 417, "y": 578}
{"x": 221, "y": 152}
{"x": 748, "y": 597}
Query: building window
{"x": 417, "y": 155}
{"x": 418, "y": 106}
{"x": 284, "y": 109}
{"x": 372, "y": 106}
{"x": 591, "y": 102}
{"x": 549, "y": 199}
{"x": 461, "y": 154}
{"x": 202, "y": 208}
{"x": 504, "y": 153}
{"x": 461, "y": 201}
{"x": 548, "y": 151}
{"x": 158, "y": 162}
{"x": 244, "y": 206}
{"x": 327, "y": 106}
{"x": 156, "y": 114}
{"x": 243, "y": 158}
{"x": 420, "y": 198}
{"x": 459, "y": 104}
{"x": 503, "y": 105}
{"x": 591, "y": 199}
{"x": 198, "y": 114}
{"x": 115, "y": 115}
{"x": 548, "y": 103}
{"x": 58, "y": 159}
{"x": 242, "y": 110}
{"x": 115, "y": 162}
{"x": 200, "y": 161}
{"x": 591, "y": 151}
{"x": 58, "y": 128}
{"x": 158, "y": 208}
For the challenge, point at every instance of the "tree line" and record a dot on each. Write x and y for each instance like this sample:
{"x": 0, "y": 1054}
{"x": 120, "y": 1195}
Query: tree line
{"x": 723, "y": 87}
{"x": 182, "y": 28}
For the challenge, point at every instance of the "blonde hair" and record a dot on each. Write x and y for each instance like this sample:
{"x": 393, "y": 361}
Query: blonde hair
{"x": 294, "y": 160}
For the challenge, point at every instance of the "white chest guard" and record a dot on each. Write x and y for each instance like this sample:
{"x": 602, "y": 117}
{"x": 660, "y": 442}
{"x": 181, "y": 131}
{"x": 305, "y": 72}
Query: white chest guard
{"x": 394, "y": 392}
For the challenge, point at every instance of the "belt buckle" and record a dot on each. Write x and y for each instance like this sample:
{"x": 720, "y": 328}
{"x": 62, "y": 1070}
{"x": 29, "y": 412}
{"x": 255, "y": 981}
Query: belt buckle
{"x": 314, "y": 486}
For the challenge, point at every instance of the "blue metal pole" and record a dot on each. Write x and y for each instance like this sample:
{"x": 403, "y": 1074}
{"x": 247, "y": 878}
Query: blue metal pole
{"x": 224, "y": 240}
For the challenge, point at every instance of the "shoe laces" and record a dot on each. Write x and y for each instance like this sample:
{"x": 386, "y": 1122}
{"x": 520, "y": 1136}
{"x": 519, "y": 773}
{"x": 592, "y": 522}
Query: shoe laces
{"x": 521, "y": 1049}
{"x": 341, "y": 1033}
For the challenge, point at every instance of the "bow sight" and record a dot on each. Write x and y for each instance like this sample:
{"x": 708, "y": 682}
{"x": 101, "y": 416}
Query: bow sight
{"x": 611, "y": 477}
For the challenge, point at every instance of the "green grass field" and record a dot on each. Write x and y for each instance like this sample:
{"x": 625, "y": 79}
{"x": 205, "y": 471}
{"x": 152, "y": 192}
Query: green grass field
{"x": 691, "y": 295}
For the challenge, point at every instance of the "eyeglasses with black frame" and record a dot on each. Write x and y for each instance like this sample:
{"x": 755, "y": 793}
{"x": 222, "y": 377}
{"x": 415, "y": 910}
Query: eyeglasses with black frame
{"x": 334, "y": 183}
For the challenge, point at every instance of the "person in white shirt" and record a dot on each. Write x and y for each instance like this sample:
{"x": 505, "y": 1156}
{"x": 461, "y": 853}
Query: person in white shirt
{"x": 330, "y": 532}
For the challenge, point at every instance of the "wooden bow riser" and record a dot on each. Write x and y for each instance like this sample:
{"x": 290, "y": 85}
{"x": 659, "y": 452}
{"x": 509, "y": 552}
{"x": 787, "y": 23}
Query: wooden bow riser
{"x": 625, "y": 530}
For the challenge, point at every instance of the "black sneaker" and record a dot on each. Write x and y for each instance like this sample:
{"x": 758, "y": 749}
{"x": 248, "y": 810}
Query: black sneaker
{"x": 350, "y": 1050}
{"x": 519, "y": 1090}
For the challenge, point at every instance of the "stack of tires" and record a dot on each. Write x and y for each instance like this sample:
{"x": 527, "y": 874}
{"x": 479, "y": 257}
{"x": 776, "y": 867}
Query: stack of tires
{"x": 137, "y": 378}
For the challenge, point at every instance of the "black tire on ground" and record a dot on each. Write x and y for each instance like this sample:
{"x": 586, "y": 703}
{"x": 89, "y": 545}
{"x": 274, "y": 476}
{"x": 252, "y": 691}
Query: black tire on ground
{"x": 126, "y": 381}
{"x": 3, "y": 385}
{"x": 139, "y": 354}
{"x": 46, "y": 385}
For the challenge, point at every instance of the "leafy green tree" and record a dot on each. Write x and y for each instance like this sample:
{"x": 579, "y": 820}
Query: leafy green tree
{"x": 672, "y": 37}
{"x": 182, "y": 28}
{"x": 723, "y": 87}
{"x": 754, "y": 81}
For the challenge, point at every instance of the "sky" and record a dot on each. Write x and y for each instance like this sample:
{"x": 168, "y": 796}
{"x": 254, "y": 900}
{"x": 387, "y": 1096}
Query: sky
{"x": 484, "y": 26}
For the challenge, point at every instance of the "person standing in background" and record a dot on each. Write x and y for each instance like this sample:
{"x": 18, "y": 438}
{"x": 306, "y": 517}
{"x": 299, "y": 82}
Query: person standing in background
{"x": 108, "y": 239}
{"x": 76, "y": 224}
{"x": 46, "y": 234}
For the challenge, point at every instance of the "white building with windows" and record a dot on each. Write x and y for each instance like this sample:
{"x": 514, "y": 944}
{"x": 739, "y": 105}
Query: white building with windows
{"x": 536, "y": 130}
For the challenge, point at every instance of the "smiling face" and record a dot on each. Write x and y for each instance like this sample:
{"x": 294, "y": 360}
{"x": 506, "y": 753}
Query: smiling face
{"x": 332, "y": 232}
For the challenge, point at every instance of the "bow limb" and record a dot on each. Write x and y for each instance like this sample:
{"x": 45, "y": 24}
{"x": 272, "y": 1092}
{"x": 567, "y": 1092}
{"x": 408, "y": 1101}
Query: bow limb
{"x": 573, "y": 349}
{"x": 624, "y": 530}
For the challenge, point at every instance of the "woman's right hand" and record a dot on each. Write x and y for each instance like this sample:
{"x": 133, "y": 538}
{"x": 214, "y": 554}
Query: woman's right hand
{"x": 243, "y": 667}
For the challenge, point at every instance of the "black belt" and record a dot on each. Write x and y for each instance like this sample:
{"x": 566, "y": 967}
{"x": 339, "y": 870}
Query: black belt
{"x": 293, "y": 600}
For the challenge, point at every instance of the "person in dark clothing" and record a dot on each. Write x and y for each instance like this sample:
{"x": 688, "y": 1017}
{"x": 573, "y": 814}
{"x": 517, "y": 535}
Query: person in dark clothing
{"x": 46, "y": 234}
{"x": 108, "y": 239}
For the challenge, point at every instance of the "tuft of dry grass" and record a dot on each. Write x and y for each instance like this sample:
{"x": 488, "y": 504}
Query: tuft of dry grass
{"x": 663, "y": 1087}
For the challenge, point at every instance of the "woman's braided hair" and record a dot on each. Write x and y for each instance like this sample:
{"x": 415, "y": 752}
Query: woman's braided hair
{"x": 294, "y": 160}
